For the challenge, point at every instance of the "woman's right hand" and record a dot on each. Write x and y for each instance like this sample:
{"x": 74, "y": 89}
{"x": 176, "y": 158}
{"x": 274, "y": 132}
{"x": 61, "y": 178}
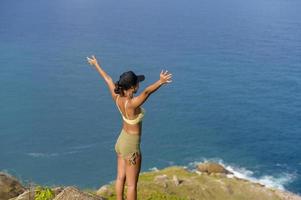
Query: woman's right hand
{"x": 92, "y": 61}
{"x": 165, "y": 77}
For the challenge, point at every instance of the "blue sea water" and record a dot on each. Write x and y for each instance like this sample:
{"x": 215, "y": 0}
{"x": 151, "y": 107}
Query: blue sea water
{"x": 235, "y": 96}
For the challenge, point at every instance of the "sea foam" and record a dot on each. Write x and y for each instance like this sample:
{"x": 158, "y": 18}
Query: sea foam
{"x": 278, "y": 181}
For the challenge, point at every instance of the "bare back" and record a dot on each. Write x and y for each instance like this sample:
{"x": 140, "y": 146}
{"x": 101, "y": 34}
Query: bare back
{"x": 131, "y": 113}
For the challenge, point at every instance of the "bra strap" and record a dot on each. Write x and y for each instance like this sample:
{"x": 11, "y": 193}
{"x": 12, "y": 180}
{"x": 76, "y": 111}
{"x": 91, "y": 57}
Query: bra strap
{"x": 125, "y": 109}
{"x": 117, "y": 104}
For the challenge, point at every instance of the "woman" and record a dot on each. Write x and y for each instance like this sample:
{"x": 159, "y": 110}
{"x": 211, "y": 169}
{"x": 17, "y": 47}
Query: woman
{"x": 127, "y": 146}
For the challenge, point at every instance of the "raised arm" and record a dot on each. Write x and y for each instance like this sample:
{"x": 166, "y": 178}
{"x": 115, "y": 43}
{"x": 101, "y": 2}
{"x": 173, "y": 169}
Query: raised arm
{"x": 106, "y": 77}
{"x": 165, "y": 78}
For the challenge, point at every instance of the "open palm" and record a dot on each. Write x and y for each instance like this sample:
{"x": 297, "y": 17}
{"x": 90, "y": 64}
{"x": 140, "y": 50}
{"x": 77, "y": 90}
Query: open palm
{"x": 92, "y": 61}
{"x": 165, "y": 77}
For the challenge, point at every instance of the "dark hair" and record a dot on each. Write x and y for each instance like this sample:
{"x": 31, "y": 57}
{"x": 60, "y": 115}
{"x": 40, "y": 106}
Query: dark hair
{"x": 126, "y": 81}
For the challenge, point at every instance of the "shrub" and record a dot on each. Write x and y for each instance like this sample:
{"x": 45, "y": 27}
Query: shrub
{"x": 43, "y": 193}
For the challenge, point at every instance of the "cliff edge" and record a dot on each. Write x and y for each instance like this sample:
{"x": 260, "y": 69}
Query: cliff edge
{"x": 209, "y": 181}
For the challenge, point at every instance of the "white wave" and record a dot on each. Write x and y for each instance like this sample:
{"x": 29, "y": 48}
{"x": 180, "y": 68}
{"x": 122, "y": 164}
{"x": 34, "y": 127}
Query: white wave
{"x": 276, "y": 181}
{"x": 36, "y": 155}
{"x": 42, "y": 155}
{"x": 273, "y": 181}
{"x": 73, "y": 149}
{"x": 87, "y": 146}
{"x": 153, "y": 169}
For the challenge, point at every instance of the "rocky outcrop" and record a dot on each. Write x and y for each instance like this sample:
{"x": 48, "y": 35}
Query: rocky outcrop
{"x": 74, "y": 193}
{"x": 175, "y": 182}
{"x": 9, "y": 186}
{"x": 212, "y": 168}
{"x": 68, "y": 193}
{"x": 104, "y": 190}
{"x": 179, "y": 183}
{"x": 287, "y": 195}
{"x": 29, "y": 194}
{"x": 12, "y": 189}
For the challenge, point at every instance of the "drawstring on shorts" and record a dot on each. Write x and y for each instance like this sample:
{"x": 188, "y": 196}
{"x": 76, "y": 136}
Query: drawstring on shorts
{"x": 132, "y": 158}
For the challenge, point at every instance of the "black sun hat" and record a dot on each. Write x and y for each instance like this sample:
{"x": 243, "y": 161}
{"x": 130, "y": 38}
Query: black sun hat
{"x": 131, "y": 77}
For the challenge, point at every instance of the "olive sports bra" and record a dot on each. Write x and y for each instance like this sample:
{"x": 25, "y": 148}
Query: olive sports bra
{"x": 131, "y": 121}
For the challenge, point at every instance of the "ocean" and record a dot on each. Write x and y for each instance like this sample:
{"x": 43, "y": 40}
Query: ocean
{"x": 235, "y": 96}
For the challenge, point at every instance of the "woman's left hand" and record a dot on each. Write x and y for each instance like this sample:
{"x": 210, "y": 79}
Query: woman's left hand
{"x": 92, "y": 61}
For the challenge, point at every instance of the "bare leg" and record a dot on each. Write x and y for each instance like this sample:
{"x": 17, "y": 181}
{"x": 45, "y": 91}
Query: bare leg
{"x": 120, "y": 179}
{"x": 132, "y": 175}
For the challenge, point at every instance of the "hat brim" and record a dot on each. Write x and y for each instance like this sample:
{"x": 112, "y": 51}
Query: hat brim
{"x": 140, "y": 78}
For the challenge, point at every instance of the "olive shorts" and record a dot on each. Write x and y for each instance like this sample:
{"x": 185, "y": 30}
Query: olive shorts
{"x": 128, "y": 145}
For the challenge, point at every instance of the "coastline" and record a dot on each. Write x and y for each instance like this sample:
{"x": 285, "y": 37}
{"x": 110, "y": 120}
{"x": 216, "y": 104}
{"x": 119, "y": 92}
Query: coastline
{"x": 206, "y": 181}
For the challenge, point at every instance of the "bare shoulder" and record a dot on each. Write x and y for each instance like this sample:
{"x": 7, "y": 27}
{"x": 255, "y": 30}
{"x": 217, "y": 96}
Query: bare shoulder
{"x": 114, "y": 96}
{"x": 138, "y": 100}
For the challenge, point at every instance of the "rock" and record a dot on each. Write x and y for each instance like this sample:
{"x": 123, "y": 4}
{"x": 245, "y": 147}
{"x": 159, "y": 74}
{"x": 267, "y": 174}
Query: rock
{"x": 258, "y": 184}
{"x": 176, "y": 180}
{"x": 212, "y": 168}
{"x": 161, "y": 178}
{"x": 104, "y": 191}
{"x": 27, "y": 195}
{"x": 221, "y": 175}
{"x": 57, "y": 190}
{"x": 72, "y": 193}
{"x": 285, "y": 195}
{"x": 9, "y": 186}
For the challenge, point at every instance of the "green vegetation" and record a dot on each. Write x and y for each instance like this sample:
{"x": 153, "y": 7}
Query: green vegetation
{"x": 44, "y": 193}
{"x": 160, "y": 196}
{"x": 195, "y": 186}
{"x": 173, "y": 183}
{"x": 151, "y": 196}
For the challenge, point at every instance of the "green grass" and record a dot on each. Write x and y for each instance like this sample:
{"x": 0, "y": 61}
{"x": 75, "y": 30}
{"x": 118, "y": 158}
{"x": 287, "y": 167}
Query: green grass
{"x": 192, "y": 186}
{"x": 43, "y": 193}
{"x": 195, "y": 186}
